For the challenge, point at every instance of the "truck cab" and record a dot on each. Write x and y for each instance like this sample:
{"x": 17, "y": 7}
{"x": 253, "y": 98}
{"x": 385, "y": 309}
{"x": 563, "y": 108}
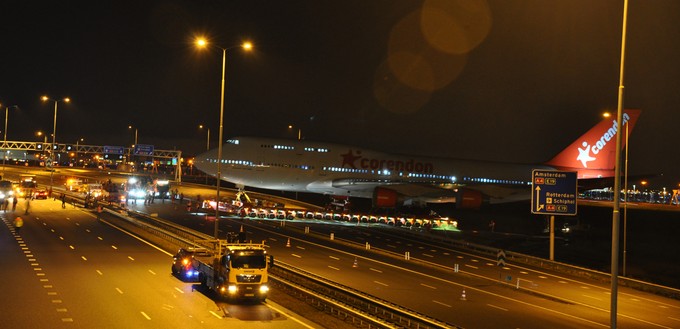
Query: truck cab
{"x": 235, "y": 271}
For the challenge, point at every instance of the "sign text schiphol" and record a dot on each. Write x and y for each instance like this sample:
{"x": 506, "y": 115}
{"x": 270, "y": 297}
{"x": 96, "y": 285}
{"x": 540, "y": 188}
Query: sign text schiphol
{"x": 553, "y": 192}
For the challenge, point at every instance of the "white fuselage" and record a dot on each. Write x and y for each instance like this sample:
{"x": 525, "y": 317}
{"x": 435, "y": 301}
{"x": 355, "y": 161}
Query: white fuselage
{"x": 305, "y": 166}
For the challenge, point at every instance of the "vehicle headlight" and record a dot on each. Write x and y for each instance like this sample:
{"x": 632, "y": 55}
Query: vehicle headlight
{"x": 264, "y": 289}
{"x": 232, "y": 289}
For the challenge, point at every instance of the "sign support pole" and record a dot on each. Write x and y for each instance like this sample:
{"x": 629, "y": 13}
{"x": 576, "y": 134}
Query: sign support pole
{"x": 552, "y": 237}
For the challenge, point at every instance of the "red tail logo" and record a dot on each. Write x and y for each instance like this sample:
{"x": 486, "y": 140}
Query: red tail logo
{"x": 593, "y": 155}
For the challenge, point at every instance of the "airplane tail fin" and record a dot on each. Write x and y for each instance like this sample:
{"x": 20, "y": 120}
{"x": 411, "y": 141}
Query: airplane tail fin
{"x": 593, "y": 155}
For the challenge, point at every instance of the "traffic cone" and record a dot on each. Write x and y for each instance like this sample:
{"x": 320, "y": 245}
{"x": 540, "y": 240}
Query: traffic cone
{"x": 288, "y": 243}
{"x": 356, "y": 264}
{"x": 242, "y": 230}
{"x": 462, "y": 296}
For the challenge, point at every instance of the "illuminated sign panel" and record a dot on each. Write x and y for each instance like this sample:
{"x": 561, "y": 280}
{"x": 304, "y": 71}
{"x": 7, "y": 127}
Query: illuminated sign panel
{"x": 553, "y": 192}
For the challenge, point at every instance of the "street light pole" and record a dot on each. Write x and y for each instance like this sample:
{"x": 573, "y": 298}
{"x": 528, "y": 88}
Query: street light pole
{"x": 77, "y": 144}
{"x": 219, "y": 145}
{"x": 130, "y": 127}
{"x": 207, "y": 144}
{"x": 54, "y": 135}
{"x": 4, "y": 145}
{"x": 617, "y": 179}
{"x": 247, "y": 46}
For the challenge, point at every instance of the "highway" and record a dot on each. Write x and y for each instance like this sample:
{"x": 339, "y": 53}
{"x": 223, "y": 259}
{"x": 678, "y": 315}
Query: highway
{"x": 479, "y": 295}
{"x": 575, "y": 303}
{"x": 65, "y": 269}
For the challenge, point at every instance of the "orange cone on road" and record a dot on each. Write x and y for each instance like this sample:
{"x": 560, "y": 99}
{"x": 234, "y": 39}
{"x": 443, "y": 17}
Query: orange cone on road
{"x": 462, "y": 296}
{"x": 288, "y": 243}
{"x": 356, "y": 263}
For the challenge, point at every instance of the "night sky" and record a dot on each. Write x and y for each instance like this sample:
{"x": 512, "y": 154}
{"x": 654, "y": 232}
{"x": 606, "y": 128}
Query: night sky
{"x": 505, "y": 80}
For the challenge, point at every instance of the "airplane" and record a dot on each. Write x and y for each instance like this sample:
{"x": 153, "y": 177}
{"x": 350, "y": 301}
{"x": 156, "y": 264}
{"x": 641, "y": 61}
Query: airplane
{"x": 393, "y": 180}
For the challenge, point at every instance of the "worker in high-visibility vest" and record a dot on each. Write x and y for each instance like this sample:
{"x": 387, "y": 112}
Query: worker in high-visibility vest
{"x": 18, "y": 223}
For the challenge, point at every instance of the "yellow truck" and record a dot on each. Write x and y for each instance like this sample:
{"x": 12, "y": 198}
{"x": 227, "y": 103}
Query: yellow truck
{"x": 235, "y": 271}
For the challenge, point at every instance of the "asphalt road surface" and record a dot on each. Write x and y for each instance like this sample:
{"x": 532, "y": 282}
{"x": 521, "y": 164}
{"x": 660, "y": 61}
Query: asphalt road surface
{"x": 65, "y": 269}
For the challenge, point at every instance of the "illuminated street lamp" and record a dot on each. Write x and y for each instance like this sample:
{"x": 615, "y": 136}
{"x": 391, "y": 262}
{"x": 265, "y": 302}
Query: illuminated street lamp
{"x": 4, "y": 145}
{"x": 299, "y": 132}
{"x": 203, "y": 43}
{"x": 625, "y": 199}
{"x": 54, "y": 134}
{"x": 77, "y": 144}
{"x": 207, "y": 144}
{"x": 130, "y": 127}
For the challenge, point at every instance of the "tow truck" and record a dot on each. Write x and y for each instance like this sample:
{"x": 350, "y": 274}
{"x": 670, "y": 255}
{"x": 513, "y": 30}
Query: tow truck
{"x": 233, "y": 269}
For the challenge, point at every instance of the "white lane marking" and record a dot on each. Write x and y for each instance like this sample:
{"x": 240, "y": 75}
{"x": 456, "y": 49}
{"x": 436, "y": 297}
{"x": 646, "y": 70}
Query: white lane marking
{"x": 333, "y": 268}
{"x": 381, "y": 283}
{"x": 215, "y": 314}
{"x": 130, "y": 257}
{"x": 333, "y": 257}
{"x": 146, "y": 316}
{"x": 475, "y": 267}
{"x": 428, "y": 286}
{"x": 100, "y": 272}
{"x": 428, "y": 255}
{"x": 119, "y": 291}
{"x": 114, "y": 247}
{"x": 72, "y": 247}
{"x": 152, "y": 272}
{"x": 289, "y": 316}
{"x": 375, "y": 270}
{"x": 66, "y": 319}
{"x": 497, "y": 307}
{"x": 296, "y": 255}
{"x": 596, "y": 298}
{"x": 300, "y": 247}
{"x": 100, "y": 238}
{"x": 180, "y": 290}
{"x": 440, "y": 303}
{"x": 83, "y": 257}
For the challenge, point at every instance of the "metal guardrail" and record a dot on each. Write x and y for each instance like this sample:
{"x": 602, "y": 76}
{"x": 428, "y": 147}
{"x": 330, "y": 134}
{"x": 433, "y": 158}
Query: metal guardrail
{"x": 363, "y": 307}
